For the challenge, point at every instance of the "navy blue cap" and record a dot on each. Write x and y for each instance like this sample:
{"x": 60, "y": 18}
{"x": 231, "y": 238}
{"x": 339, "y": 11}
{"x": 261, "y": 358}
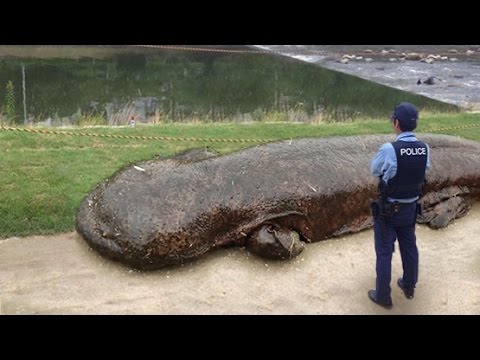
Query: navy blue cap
{"x": 406, "y": 113}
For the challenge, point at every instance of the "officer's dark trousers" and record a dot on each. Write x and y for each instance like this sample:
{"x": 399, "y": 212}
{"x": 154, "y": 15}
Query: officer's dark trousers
{"x": 399, "y": 226}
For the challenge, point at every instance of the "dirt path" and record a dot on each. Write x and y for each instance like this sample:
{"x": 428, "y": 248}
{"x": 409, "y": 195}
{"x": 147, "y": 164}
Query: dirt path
{"x": 60, "y": 275}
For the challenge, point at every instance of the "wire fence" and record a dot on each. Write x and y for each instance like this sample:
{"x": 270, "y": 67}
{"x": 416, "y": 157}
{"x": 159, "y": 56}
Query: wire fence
{"x": 181, "y": 139}
{"x": 132, "y": 137}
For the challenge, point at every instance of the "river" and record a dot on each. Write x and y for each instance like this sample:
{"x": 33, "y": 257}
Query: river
{"x": 64, "y": 85}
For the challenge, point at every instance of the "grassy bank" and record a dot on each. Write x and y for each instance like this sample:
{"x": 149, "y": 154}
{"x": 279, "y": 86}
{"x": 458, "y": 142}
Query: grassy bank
{"x": 45, "y": 177}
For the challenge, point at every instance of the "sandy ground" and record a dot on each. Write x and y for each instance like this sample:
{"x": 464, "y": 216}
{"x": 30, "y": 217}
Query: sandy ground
{"x": 61, "y": 275}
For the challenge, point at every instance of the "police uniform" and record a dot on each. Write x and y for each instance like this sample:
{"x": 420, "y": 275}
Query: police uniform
{"x": 401, "y": 168}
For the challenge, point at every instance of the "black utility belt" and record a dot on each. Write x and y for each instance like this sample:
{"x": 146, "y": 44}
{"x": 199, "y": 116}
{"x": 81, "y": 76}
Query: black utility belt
{"x": 396, "y": 206}
{"x": 393, "y": 207}
{"x": 390, "y": 208}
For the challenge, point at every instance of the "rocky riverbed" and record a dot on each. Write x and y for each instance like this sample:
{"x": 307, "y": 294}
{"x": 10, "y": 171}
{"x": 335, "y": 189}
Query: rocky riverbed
{"x": 450, "y": 73}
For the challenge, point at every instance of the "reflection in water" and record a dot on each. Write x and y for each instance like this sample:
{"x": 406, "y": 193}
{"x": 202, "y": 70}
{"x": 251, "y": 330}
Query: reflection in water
{"x": 184, "y": 86}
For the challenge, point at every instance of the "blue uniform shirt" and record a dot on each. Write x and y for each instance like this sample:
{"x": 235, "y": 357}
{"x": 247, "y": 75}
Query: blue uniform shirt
{"x": 385, "y": 162}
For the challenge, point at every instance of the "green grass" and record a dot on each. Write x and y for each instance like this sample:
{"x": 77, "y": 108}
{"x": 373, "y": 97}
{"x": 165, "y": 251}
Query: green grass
{"x": 43, "y": 178}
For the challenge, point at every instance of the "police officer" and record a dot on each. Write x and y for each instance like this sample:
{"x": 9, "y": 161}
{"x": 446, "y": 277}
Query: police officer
{"x": 401, "y": 168}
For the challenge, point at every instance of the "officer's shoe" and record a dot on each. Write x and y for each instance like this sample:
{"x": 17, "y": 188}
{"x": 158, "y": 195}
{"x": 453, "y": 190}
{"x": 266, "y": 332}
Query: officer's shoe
{"x": 387, "y": 304}
{"x": 407, "y": 291}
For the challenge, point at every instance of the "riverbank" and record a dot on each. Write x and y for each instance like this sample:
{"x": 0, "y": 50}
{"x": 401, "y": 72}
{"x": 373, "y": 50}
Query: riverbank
{"x": 45, "y": 176}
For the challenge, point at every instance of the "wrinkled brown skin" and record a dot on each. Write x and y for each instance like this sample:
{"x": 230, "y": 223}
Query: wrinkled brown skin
{"x": 271, "y": 198}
